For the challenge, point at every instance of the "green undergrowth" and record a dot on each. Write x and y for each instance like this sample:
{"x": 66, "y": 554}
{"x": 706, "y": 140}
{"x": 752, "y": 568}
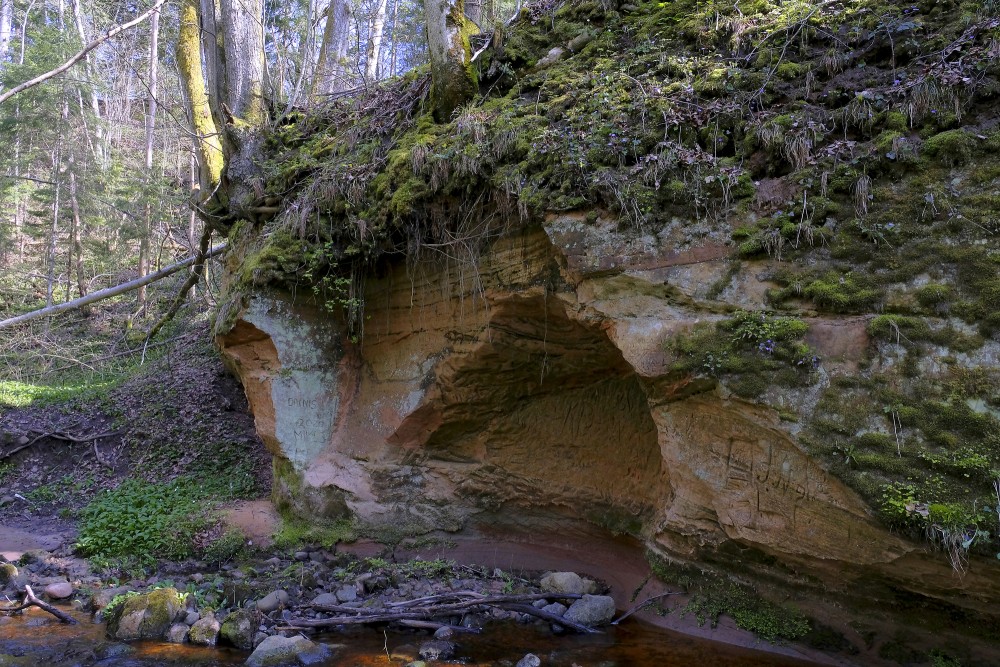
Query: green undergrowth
{"x": 749, "y": 352}
{"x": 713, "y": 594}
{"x": 141, "y": 521}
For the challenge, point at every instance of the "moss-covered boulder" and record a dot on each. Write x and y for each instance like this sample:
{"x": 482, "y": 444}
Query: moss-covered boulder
{"x": 146, "y": 616}
{"x": 239, "y": 628}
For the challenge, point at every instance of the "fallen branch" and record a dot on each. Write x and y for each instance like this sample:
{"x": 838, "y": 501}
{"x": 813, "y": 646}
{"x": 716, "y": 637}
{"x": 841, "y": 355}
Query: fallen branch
{"x": 642, "y": 605}
{"x": 31, "y": 601}
{"x": 58, "y": 436}
{"x": 420, "y": 611}
{"x": 110, "y": 291}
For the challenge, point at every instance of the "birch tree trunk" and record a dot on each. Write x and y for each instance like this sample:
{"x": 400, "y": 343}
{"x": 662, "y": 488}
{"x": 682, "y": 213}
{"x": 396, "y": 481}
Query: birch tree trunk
{"x": 375, "y": 43}
{"x": 6, "y": 27}
{"x": 453, "y": 79}
{"x": 331, "y": 72}
{"x": 75, "y": 232}
{"x": 147, "y": 225}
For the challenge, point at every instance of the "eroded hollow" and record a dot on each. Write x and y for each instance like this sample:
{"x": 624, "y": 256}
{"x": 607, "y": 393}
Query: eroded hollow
{"x": 548, "y": 413}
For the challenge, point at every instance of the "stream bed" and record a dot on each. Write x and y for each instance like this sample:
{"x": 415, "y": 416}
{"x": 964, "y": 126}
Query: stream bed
{"x": 35, "y": 638}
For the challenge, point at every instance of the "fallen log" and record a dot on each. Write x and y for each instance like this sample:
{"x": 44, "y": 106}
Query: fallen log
{"x": 111, "y": 291}
{"x": 443, "y": 605}
{"x": 30, "y": 600}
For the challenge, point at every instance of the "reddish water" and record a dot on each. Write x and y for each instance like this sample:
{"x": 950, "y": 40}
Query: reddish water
{"x": 48, "y": 642}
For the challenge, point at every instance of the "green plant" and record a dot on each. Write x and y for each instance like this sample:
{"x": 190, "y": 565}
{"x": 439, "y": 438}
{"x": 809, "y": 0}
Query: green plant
{"x": 231, "y": 545}
{"x": 142, "y": 520}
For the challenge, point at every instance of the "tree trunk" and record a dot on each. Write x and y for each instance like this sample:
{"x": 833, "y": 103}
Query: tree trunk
{"x": 211, "y": 51}
{"x": 243, "y": 47}
{"x": 453, "y": 79}
{"x": 77, "y": 244}
{"x": 147, "y": 223}
{"x": 331, "y": 72}
{"x": 375, "y": 42}
{"x": 245, "y": 110}
{"x": 6, "y": 26}
{"x": 207, "y": 143}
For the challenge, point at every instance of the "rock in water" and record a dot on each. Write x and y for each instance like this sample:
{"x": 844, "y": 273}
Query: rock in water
{"x": 146, "y": 616}
{"x": 59, "y": 591}
{"x": 205, "y": 631}
{"x": 239, "y": 628}
{"x": 277, "y": 650}
{"x": 177, "y": 634}
{"x": 591, "y": 610}
{"x": 530, "y": 660}
{"x": 437, "y": 649}
{"x": 562, "y": 582}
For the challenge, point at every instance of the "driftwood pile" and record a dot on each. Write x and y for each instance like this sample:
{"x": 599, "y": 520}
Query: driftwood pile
{"x": 429, "y": 612}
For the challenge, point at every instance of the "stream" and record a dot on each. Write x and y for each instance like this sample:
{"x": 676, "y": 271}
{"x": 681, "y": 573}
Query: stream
{"x": 35, "y": 638}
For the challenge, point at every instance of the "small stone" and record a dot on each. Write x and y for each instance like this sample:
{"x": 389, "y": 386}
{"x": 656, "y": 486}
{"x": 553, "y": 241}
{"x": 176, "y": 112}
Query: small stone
{"x": 259, "y": 638}
{"x": 273, "y": 562}
{"x": 404, "y": 653}
{"x": 302, "y": 556}
{"x": 177, "y": 634}
{"x": 197, "y": 577}
{"x": 191, "y": 618}
{"x": 272, "y": 601}
{"x": 529, "y": 660}
{"x": 437, "y": 649}
{"x": 347, "y": 593}
{"x": 555, "y": 608}
{"x": 562, "y": 582}
{"x": 325, "y": 600}
{"x": 590, "y": 586}
{"x": 239, "y": 627}
{"x": 444, "y": 633}
{"x": 538, "y": 604}
{"x": 59, "y": 591}
{"x": 580, "y": 41}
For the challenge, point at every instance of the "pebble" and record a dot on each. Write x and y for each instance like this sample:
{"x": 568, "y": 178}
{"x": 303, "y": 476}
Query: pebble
{"x": 437, "y": 649}
{"x": 301, "y": 555}
{"x": 529, "y": 660}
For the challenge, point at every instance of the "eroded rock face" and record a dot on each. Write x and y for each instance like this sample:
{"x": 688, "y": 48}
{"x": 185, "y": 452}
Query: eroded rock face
{"x": 537, "y": 385}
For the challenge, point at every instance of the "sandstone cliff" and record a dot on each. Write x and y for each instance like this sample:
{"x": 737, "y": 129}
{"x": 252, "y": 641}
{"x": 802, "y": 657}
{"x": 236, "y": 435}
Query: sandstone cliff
{"x": 732, "y": 291}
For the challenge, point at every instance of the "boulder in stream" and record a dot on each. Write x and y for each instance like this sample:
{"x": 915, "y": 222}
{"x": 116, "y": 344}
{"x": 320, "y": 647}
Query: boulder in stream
{"x": 591, "y": 610}
{"x": 562, "y": 582}
{"x": 277, "y": 650}
{"x": 146, "y": 616}
{"x": 205, "y": 631}
{"x": 239, "y": 628}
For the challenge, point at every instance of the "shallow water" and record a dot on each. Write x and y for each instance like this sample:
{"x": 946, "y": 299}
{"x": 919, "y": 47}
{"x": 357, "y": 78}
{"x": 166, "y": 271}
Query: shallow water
{"x": 44, "y": 641}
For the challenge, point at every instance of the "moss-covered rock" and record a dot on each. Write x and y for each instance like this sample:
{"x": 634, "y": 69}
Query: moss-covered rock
{"x": 146, "y": 616}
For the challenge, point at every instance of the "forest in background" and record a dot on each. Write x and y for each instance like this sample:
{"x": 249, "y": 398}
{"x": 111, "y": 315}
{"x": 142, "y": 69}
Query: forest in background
{"x": 99, "y": 176}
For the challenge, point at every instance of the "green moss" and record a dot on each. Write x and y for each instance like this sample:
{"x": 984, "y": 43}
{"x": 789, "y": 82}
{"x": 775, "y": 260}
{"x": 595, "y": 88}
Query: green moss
{"x": 951, "y": 148}
{"x": 844, "y": 293}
